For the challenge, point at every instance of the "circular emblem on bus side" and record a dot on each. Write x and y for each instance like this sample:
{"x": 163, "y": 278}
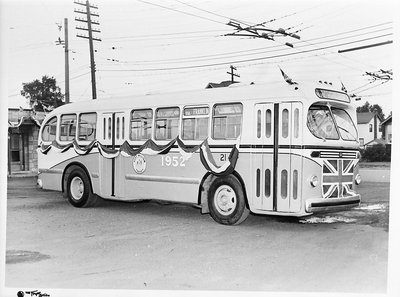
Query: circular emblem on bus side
{"x": 139, "y": 163}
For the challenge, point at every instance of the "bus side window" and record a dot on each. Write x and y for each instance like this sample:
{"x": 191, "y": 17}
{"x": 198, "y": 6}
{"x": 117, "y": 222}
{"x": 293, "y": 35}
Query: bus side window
{"x": 87, "y": 126}
{"x": 285, "y": 123}
{"x": 195, "y": 123}
{"x": 67, "y": 127}
{"x": 49, "y": 130}
{"x": 167, "y": 123}
{"x": 296, "y": 123}
{"x": 141, "y": 123}
{"x": 227, "y": 121}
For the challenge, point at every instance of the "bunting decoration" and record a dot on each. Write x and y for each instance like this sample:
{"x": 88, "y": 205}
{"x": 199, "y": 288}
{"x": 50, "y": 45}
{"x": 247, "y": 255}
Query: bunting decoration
{"x": 151, "y": 148}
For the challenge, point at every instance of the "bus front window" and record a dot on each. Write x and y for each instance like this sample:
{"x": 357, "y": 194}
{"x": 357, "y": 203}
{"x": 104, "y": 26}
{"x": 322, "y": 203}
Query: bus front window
{"x": 345, "y": 125}
{"x": 320, "y": 123}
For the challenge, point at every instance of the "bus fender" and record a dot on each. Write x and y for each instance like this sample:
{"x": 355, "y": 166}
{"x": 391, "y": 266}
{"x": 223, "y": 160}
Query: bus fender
{"x": 205, "y": 186}
{"x": 66, "y": 173}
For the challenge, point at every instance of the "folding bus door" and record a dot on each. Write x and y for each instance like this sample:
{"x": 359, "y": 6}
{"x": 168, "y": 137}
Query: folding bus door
{"x": 111, "y": 136}
{"x": 288, "y": 156}
{"x": 262, "y": 157}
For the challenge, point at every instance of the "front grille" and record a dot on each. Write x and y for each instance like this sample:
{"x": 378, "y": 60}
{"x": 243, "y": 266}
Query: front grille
{"x": 337, "y": 178}
{"x": 338, "y": 154}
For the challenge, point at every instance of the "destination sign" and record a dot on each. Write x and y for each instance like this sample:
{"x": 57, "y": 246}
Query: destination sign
{"x": 228, "y": 109}
{"x": 142, "y": 114}
{"x": 332, "y": 95}
{"x": 195, "y": 111}
{"x": 172, "y": 112}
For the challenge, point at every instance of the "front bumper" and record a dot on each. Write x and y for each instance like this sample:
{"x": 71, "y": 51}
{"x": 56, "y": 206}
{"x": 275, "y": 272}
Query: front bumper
{"x": 329, "y": 204}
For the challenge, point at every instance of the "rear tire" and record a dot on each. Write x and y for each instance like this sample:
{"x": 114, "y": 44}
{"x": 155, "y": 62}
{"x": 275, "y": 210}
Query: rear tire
{"x": 226, "y": 201}
{"x": 79, "y": 188}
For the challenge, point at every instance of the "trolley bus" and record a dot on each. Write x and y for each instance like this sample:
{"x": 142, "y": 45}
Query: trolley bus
{"x": 273, "y": 149}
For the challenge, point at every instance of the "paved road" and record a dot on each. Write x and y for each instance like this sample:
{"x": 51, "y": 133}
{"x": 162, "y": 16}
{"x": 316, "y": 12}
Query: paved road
{"x": 146, "y": 245}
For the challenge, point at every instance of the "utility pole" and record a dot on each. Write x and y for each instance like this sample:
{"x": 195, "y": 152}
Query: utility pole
{"x": 66, "y": 61}
{"x": 90, "y": 30}
{"x": 233, "y": 74}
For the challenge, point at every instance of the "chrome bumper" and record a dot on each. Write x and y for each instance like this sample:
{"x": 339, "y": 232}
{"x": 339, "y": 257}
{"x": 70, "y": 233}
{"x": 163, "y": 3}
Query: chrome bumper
{"x": 329, "y": 204}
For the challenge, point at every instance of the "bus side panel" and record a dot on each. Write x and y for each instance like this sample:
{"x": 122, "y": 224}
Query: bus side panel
{"x": 52, "y": 176}
{"x": 166, "y": 177}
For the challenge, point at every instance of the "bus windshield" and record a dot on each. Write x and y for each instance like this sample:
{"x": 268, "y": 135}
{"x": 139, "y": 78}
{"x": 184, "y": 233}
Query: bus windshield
{"x": 345, "y": 124}
{"x": 321, "y": 122}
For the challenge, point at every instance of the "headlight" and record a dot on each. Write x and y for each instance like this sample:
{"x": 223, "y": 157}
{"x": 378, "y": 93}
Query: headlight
{"x": 314, "y": 181}
{"x": 358, "y": 179}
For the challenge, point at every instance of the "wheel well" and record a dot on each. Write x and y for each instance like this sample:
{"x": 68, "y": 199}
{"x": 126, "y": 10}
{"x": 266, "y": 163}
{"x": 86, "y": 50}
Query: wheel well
{"x": 204, "y": 185}
{"x": 68, "y": 169}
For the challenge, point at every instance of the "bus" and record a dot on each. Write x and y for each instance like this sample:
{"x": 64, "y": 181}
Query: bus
{"x": 274, "y": 149}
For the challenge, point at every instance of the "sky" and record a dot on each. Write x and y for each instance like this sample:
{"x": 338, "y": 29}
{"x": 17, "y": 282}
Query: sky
{"x": 150, "y": 46}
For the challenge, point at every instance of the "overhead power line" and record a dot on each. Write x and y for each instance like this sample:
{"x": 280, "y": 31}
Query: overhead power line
{"x": 183, "y": 12}
{"x": 253, "y": 59}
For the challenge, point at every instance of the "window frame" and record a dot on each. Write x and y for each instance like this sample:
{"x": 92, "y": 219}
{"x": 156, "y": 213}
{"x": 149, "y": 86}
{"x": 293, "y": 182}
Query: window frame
{"x": 213, "y": 117}
{"x": 152, "y": 121}
{"x": 166, "y": 119}
{"x": 79, "y": 127}
{"x": 47, "y": 124}
{"x": 60, "y": 125}
{"x": 195, "y": 117}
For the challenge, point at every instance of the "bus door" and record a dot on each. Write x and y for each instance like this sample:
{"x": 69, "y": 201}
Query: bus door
{"x": 262, "y": 157}
{"x": 276, "y": 157}
{"x": 288, "y": 156}
{"x": 112, "y": 136}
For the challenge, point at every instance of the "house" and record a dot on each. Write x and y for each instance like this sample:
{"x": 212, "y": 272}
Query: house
{"x": 23, "y": 131}
{"x": 222, "y": 84}
{"x": 369, "y": 127}
{"x": 387, "y": 130}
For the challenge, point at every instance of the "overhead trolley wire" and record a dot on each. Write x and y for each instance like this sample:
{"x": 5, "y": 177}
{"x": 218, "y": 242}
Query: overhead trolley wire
{"x": 176, "y": 10}
{"x": 225, "y": 55}
{"x": 249, "y": 60}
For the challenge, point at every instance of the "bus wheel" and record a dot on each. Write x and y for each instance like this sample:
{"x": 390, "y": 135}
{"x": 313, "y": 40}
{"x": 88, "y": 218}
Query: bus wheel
{"x": 78, "y": 187}
{"x": 226, "y": 201}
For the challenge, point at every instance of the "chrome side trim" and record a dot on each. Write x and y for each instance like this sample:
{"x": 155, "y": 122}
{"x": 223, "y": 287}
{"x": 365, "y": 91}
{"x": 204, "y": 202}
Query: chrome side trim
{"x": 164, "y": 179}
{"x": 46, "y": 170}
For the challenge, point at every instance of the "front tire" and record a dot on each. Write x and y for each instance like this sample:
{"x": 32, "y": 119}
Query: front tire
{"x": 226, "y": 201}
{"x": 79, "y": 189}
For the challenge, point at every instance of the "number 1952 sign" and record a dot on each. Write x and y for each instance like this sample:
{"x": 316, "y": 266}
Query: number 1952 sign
{"x": 172, "y": 161}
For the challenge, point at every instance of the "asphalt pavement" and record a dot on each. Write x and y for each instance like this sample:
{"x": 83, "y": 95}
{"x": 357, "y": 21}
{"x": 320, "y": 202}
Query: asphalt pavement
{"x": 153, "y": 246}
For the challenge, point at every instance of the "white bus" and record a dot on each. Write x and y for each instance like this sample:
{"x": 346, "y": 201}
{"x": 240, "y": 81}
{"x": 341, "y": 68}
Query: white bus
{"x": 274, "y": 149}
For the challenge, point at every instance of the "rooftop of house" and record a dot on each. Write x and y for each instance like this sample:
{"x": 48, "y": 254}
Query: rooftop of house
{"x": 364, "y": 117}
{"x": 387, "y": 121}
{"x": 222, "y": 84}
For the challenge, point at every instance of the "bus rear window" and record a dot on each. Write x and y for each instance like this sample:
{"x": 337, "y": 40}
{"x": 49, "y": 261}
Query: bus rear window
{"x": 320, "y": 123}
{"x": 167, "y": 123}
{"x": 67, "y": 127}
{"x": 227, "y": 121}
{"x": 49, "y": 130}
{"x": 87, "y": 126}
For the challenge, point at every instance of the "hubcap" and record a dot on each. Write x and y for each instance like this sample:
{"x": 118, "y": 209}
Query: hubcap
{"x": 77, "y": 188}
{"x": 225, "y": 200}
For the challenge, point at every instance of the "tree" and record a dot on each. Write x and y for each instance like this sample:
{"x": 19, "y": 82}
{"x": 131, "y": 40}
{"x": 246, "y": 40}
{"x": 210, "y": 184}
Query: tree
{"x": 43, "y": 95}
{"x": 371, "y": 108}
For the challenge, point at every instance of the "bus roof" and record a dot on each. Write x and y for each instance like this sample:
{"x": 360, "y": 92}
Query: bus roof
{"x": 236, "y": 92}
